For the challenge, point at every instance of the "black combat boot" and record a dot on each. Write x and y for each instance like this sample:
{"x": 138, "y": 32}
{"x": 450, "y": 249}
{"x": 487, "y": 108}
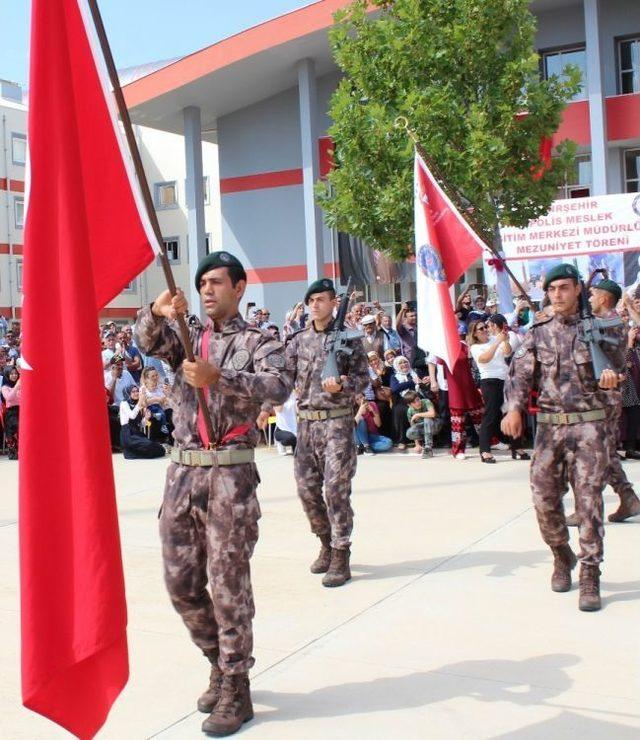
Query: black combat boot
{"x": 233, "y": 709}
{"x": 323, "y": 561}
{"x": 564, "y": 560}
{"x": 629, "y": 506}
{"x": 589, "y": 588}
{"x": 208, "y": 700}
{"x": 339, "y": 572}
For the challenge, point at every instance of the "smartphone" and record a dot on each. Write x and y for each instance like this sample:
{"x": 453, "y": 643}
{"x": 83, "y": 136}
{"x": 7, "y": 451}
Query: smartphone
{"x": 250, "y": 305}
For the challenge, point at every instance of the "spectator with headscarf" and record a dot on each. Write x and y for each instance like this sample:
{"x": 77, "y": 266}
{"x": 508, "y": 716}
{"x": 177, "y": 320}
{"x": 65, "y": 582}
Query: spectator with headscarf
{"x": 135, "y": 445}
{"x": 11, "y": 398}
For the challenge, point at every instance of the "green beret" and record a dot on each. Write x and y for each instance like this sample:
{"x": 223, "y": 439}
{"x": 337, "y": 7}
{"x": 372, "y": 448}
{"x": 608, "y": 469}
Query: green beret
{"x": 611, "y": 287}
{"x": 561, "y": 272}
{"x": 319, "y": 286}
{"x": 214, "y": 260}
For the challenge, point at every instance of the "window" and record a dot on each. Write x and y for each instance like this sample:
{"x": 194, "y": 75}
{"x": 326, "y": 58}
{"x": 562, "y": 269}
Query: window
{"x": 172, "y": 245}
{"x": 554, "y": 63}
{"x": 205, "y": 190}
{"x": 18, "y": 212}
{"x": 632, "y": 171}
{"x": 629, "y": 65}
{"x": 132, "y": 287}
{"x": 166, "y": 195}
{"x": 578, "y": 183}
{"x": 19, "y": 149}
{"x": 19, "y": 275}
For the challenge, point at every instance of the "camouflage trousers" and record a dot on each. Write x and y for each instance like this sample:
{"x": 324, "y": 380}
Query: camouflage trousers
{"x": 617, "y": 478}
{"x": 578, "y": 453}
{"x": 326, "y": 455}
{"x": 208, "y": 529}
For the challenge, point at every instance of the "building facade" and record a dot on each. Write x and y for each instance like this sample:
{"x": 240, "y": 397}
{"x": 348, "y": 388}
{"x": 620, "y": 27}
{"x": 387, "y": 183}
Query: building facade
{"x": 250, "y": 114}
{"x": 266, "y": 93}
{"x": 13, "y": 157}
{"x": 163, "y": 156}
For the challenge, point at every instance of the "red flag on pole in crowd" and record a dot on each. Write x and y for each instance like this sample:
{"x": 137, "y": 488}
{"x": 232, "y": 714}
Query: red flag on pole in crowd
{"x": 445, "y": 247}
{"x": 86, "y": 238}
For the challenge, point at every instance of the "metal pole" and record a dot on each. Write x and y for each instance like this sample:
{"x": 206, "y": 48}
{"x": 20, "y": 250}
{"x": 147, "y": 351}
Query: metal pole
{"x": 146, "y": 195}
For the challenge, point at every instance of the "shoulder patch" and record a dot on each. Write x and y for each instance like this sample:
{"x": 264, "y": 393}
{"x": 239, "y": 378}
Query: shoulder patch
{"x": 240, "y": 359}
{"x": 267, "y": 348}
{"x": 275, "y": 359}
{"x": 520, "y": 352}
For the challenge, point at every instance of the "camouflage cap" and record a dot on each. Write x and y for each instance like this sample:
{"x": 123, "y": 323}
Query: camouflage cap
{"x": 214, "y": 260}
{"x": 611, "y": 287}
{"x": 563, "y": 271}
{"x": 319, "y": 286}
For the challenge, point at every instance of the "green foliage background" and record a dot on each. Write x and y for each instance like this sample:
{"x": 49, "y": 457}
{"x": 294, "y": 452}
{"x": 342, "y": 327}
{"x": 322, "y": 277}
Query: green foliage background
{"x": 462, "y": 72}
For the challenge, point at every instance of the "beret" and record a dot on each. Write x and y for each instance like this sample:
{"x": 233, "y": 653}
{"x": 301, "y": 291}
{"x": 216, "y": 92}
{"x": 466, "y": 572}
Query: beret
{"x": 611, "y": 287}
{"x": 214, "y": 260}
{"x": 561, "y": 272}
{"x": 319, "y": 286}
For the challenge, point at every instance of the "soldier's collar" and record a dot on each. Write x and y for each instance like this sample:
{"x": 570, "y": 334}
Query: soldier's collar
{"x": 571, "y": 318}
{"x": 231, "y": 326}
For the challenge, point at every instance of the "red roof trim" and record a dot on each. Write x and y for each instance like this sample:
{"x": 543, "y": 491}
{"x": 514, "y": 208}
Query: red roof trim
{"x": 267, "y": 35}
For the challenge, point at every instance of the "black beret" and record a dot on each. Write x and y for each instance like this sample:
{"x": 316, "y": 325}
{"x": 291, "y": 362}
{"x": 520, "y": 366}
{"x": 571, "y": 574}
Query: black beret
{"x": 611, "y": 287}
{"x": 561, "y": 272}
{"x": 319, "y": 286}
{"x": 214, "y": 260}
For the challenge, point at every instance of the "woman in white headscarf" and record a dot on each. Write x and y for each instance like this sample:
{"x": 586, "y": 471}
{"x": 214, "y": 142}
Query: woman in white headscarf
{"x": 403, "y": 379}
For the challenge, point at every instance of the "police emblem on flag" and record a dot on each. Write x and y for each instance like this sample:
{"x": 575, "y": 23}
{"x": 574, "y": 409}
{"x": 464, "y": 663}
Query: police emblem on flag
{"x": 430, "y": 263}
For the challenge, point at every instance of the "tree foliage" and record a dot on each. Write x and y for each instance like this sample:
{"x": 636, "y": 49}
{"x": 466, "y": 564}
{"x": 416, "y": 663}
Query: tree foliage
{"x": 466, "y": 76}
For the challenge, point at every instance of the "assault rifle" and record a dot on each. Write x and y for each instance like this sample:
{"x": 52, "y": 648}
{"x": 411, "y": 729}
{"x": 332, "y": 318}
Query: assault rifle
{"x": 592, "y": 333}
{"x": 339, "y": 338}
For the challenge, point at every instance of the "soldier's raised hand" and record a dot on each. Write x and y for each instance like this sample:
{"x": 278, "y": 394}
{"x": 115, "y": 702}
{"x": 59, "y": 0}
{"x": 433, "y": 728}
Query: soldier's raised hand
{"x": 165, "y": 305}
{"x": 609, "y": 379}
{"x": 200, "y": 373}
{"x": 332, "y": 385}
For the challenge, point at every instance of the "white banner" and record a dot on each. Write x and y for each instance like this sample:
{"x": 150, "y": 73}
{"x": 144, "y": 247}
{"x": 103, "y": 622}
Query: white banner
{"x": 591, "y": 233}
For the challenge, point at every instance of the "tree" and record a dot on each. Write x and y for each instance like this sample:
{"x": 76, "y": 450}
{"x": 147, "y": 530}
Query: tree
{"x": 466, "y": 76}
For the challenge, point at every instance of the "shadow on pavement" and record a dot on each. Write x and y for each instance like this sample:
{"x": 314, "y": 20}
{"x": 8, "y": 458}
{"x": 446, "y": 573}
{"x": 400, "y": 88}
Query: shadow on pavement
{"x": 570, "y": 725}
{"x": 629, "y": 591}
{"x": 509, "y": 681}
{"x": 503, "y": 564}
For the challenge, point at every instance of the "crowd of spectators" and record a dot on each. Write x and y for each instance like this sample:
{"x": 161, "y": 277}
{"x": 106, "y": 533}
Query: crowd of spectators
{"x": 413, "y": 400}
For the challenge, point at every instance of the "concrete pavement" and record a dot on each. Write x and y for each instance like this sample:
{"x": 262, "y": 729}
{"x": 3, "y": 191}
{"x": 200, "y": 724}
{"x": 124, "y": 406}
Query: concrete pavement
{"x": 448, "y": 629}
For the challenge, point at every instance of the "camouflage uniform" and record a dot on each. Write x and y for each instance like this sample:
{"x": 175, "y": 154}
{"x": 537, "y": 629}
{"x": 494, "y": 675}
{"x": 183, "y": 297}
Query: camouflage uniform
{"x": 554, "y": 360}
{"x": 325, "y": 450}
{"x": 617, "y": 478}
{"x": 209, "y": 516}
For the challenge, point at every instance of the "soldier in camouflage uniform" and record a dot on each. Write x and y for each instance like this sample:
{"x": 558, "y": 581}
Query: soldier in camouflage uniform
{"x": 572, "y": 431}
{"x": 209, "y": 516}
{"x": 326, "y": 449}
{"x": 603, "y": 299}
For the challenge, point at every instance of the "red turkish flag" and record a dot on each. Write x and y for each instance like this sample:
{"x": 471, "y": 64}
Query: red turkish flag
{"x": 445, "y": 247}
{"x": 85, "y": 240}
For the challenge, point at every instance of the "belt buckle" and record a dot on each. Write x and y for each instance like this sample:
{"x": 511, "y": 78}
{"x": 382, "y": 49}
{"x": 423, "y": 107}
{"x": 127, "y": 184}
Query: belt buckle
{"x": 186, "y": 457}
{"x": 316, "y": 415}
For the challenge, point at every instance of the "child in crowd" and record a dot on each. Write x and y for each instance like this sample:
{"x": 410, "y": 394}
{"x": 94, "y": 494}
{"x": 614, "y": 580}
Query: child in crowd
{"x": 421, "y": 414}
{"x": 154, "y": 398}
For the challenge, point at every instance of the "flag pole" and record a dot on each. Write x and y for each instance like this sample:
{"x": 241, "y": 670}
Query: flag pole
{"x": 146, "y": 195}
{"x": 402, "y": 122}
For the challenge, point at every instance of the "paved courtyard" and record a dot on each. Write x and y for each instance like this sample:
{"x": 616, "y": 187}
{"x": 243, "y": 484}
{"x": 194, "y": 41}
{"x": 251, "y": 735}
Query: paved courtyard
{"x": 448, "y": 629}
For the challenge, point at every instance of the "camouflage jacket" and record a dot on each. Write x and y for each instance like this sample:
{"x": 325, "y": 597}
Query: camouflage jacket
{"x": 306, "y": 353}
{"x": 252, "y": 366}
{"x": 554, "y": 361}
